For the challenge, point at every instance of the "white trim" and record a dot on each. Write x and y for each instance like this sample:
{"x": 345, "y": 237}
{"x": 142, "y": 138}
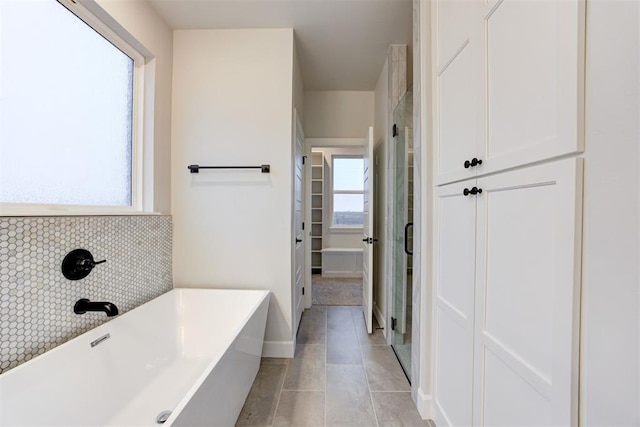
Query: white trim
{"x": 280, "y": 349}
{"x": 345, "y": 230}
{"x": 380, "y": 318}
{"x": 332, "y": 192}
{"x": 336, "y": 142}
{"x": 424, "y": 404}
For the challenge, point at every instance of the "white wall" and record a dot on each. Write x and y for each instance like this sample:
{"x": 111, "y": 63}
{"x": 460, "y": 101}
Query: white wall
{"x": 144, "y": 24}
{"x": 334, "y": 238}
{"x": 380, "y": 137}
{"x": 337, "y": 114}
{"x": 232, "y": 105}
{"x": 610, "y": 360}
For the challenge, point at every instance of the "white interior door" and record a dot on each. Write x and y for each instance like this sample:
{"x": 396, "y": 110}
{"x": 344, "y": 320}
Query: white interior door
{"x": 368, "y": 238}
{"x": 298, "y": 204}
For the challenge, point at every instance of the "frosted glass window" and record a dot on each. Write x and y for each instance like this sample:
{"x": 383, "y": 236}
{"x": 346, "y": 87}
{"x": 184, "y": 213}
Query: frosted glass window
{"x": 66, "y": 109}
{"x": 347, "y": 191}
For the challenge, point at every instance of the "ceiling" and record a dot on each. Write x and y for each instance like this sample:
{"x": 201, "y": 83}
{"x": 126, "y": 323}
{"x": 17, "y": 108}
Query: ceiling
{"x": 341, "y": 44}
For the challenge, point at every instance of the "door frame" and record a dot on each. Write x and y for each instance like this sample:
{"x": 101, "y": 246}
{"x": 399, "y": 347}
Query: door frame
{"x": 309, "y": 145}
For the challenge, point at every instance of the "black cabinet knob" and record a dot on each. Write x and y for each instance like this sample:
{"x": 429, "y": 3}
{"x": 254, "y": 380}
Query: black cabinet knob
{"x": 471, "y": 163}
{"x": 474, "y": 191}
{"x": 298, "y": 240}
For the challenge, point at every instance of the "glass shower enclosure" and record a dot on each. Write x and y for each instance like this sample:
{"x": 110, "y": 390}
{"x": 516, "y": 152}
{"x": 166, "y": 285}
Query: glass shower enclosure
{"x": 402, "y": 246}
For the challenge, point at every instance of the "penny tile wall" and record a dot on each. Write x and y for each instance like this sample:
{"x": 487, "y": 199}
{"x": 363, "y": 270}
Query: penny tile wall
{"x": 36, "y": 300}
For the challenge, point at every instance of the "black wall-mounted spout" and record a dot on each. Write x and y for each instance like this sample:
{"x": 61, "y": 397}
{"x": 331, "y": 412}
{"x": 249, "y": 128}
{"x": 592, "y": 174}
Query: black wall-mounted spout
{"x": 83, "y": 305}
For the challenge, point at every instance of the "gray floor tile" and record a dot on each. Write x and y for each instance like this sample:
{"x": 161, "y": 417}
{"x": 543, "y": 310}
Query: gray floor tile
{"x": 260, "y": 406}
{"x": 316, "y": 311}
{"x": 383, "y": 369}
{"x": 342, "y": 347}
{"x": 307, "y": 370}
{"x": 339, "y": 318}
{"x": 348, "y": 398}
{"x": 313, "y": 326}
{"x": 364, "y": 338}
{"x": 300, "y": 408}
{"x": 397, "y": 410}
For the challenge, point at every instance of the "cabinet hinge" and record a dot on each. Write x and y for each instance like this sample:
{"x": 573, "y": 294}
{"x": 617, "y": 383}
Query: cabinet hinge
{"x": 394, "y": 321}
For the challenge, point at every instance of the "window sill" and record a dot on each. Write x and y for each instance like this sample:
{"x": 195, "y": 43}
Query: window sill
{"x": 9, "y": 210}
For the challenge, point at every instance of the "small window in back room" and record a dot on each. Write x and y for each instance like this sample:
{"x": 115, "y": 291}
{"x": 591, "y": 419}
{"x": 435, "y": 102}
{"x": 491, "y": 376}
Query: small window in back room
{"x": 347, "y": 191}
{"x": 66, "y": 110}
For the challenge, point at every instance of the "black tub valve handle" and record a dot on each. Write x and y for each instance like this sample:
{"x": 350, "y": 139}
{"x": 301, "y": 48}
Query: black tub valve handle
{"x": 78, "y": 263}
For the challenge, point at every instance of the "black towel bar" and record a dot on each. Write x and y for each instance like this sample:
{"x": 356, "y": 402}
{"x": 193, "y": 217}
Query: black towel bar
{"x": 196, "y": 168}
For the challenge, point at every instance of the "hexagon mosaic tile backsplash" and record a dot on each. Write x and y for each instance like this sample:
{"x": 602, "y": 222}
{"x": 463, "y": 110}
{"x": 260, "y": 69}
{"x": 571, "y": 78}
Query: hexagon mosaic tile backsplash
{"x": 36, "y": 300}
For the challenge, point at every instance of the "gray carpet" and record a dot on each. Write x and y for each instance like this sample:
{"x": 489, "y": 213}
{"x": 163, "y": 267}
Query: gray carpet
{"x": 336, "y": 291}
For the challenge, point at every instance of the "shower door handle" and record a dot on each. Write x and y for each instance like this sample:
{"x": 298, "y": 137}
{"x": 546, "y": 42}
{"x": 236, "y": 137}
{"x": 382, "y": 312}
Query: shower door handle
{"x": 406, "y": 238}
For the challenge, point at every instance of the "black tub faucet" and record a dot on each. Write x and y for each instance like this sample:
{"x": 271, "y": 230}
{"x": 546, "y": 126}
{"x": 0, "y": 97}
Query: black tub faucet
{"x": 83, "y": 305}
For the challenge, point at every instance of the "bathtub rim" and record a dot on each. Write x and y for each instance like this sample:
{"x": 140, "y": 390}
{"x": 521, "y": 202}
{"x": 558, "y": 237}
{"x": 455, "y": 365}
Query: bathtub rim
{"x": 174, "y": 290}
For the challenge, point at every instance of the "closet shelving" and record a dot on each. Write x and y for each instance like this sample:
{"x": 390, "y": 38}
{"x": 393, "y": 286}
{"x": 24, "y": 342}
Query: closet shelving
{"x": 317, "y": 206}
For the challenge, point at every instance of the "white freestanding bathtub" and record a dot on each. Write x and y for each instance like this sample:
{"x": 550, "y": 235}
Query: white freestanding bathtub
{"x": 192, "y": 352}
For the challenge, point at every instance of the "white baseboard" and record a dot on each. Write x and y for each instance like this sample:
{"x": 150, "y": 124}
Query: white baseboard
{"x": 379, "y": 317}
{"x": 342, "y": 274}
{"x": 280, "y": 349}
{"x": 424, "y": 405}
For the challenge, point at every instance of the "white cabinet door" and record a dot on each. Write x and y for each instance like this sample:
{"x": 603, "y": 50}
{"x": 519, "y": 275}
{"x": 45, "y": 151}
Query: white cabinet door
{"x": 508, "y": 83}
{"x": 455, "y": 221}
{"x": 527, "y": 296}
{"x": 534, "y": 82}
{"x": 458, "y": 88}
{"x": 458, "y": 115}
{"x": 453, "y": 23}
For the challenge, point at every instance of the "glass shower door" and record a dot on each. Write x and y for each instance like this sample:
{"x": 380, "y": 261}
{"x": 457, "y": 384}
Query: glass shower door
{"x": 403, "y": 230}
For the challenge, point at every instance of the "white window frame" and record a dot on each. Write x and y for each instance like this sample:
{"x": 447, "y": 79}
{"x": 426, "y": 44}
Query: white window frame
{"x": 342, "y": 228}
{"x": 117, "y": 37}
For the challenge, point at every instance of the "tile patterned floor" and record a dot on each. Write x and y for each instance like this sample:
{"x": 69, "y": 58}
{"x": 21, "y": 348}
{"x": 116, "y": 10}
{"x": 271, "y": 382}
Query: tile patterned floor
{"x": 340, "y": 376}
